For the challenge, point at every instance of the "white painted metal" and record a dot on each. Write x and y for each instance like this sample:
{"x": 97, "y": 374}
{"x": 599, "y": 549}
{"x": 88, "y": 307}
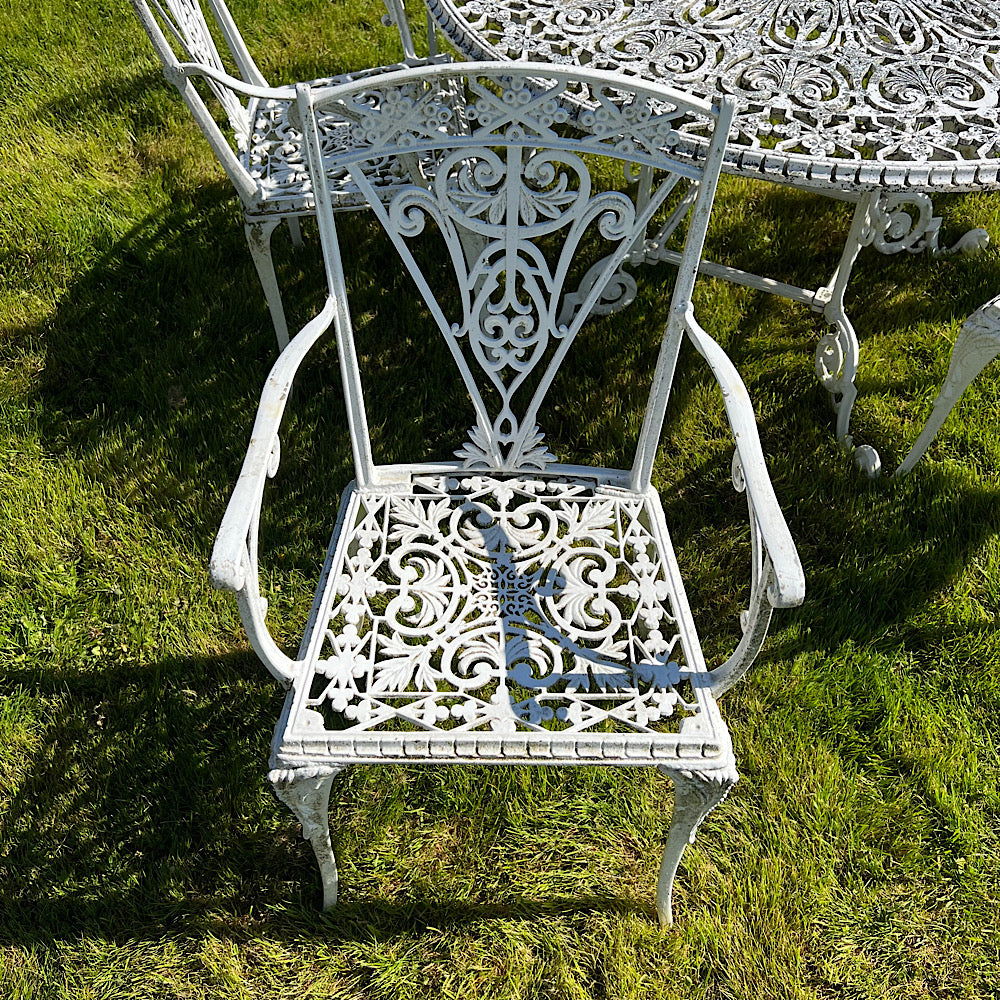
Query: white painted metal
{"x": 880, "y": 103}
{"x": 264, "y": 160}
{"x": 977, "y": 344}
{"x": 501, "y": 607}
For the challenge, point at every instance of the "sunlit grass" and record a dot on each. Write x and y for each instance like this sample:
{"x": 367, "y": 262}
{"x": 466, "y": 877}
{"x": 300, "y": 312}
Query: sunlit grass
{"x": 141, "y": 854}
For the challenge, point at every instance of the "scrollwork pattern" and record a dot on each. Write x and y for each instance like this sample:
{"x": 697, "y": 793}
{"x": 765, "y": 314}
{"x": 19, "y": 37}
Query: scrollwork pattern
{"x": 903, "y": 82}
{"x": 542, "y": 604}
{"x": 513, "y": 218}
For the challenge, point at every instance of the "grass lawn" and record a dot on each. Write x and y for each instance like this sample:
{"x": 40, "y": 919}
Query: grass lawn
{"x": 141, "y": 854}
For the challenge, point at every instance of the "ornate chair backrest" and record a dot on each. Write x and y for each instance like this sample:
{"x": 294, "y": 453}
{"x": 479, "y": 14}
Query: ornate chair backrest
{"x": 509, "y": 155}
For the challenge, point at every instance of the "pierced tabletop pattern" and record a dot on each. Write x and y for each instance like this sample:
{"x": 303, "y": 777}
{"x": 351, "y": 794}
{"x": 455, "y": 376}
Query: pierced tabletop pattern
{"x": 856, "y": 93}
{"x": 469, "y": 605}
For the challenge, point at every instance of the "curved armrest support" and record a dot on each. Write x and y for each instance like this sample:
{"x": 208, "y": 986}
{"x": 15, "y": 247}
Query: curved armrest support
{"x": 260, "y": 462}
{"x": 233, "y": 565}
{"x": 184, "y": 71}
{"x": 787, "y": 586}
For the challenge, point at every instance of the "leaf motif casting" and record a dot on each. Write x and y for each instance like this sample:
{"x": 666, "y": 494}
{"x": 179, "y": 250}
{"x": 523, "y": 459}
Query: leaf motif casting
{"x": 572, "y": 640}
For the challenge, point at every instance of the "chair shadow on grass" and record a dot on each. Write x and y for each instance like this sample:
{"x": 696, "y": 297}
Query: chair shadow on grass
{"x": 144, "y": 812}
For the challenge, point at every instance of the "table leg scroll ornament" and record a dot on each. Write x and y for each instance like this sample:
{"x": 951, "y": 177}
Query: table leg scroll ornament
{"x": 896, "y": 229}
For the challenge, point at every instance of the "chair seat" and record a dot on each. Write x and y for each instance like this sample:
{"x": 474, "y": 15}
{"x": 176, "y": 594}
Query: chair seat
{"x": 470, "y": 617}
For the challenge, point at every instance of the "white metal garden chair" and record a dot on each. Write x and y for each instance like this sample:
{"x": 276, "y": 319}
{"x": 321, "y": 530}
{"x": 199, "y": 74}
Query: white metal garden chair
{"x": 264, "y": 161}
{"x": 500, "y": 607}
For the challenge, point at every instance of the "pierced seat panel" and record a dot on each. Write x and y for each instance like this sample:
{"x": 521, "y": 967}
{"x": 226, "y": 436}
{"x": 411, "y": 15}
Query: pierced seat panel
{"x": 459, "y": 608}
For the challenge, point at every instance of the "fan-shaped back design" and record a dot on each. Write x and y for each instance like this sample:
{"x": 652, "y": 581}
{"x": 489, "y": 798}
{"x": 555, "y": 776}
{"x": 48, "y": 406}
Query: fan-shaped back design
{"x": 511, "y": 194}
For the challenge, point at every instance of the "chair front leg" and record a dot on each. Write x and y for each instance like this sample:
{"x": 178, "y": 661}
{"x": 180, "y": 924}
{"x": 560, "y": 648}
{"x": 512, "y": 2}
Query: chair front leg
{"x": 696, "y": 794}
{"x": 306, "y": 791}
{"x": 259, "y": 241}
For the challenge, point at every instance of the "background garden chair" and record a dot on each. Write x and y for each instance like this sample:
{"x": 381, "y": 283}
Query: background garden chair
{"x": 264, "y": 161}
{"x": 501, "y": 607}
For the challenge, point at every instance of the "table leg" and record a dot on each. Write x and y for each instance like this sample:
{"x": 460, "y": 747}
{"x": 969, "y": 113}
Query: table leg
{"x": 977, "y": 344}
{"x": 837, "y": 351}
{"x": 890, "y": 223}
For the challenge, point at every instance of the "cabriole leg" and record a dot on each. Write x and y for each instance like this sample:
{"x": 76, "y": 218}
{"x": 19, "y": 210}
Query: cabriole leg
{"x": 696, "y": 794}
{"x": 306, "y": 791}
{"x": 977, "y": 344}
{"x": 259, "y": 240}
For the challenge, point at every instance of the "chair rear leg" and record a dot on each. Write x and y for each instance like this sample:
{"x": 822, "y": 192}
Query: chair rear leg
{"x": 259, "y": 240}
{"x": 696, "y": 794}
{"x": 306, "y": 791}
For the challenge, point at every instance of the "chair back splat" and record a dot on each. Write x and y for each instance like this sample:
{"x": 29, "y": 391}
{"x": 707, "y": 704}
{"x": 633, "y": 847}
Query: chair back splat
{"x": 512, "y": 219}
{"x": 501, "y": 606}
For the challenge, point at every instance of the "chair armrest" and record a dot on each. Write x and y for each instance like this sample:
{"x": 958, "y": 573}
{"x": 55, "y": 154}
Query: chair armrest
{"x": 228, "y": 563}
{"x": 184, "y": 71}
{"x": 787, "y": 585}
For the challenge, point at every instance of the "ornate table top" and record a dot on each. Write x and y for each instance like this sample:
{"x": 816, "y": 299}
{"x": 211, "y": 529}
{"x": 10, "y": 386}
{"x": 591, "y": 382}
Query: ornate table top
{"x": 898, "y": 94}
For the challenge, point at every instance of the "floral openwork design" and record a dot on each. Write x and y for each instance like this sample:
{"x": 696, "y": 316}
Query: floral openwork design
{"x": 473, "y": 603}
{"x": 900, "y": 81}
